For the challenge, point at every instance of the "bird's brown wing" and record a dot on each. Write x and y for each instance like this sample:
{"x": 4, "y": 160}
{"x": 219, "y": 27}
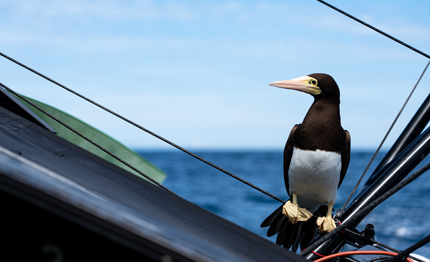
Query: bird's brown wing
{"x": 288, "y": 152}
{"x": 346, "y": 154}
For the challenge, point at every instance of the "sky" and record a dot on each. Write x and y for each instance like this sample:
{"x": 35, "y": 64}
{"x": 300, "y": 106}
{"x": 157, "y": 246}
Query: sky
{"x": 197, "y": 72}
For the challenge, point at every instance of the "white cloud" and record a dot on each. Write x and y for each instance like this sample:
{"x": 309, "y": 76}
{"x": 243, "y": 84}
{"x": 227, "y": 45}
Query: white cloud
{"x": 141, "y": 9}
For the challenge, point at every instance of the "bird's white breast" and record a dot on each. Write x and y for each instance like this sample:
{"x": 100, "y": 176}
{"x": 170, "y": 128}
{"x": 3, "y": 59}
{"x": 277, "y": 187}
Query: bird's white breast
{"x": 314, "y": 177}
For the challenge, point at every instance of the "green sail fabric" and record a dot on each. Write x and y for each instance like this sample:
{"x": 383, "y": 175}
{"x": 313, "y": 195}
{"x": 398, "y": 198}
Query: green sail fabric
{"x": 99, "y": 138}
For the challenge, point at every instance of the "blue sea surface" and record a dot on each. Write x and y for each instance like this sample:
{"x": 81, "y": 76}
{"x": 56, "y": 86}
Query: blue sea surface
{"x": 400, "y": 221}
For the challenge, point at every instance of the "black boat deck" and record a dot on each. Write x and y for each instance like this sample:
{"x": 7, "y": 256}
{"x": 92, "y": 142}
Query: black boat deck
{"x": 60, "y": 201}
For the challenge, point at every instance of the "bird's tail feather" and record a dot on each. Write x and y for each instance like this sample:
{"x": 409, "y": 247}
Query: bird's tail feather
{"x": 291, "y": 235}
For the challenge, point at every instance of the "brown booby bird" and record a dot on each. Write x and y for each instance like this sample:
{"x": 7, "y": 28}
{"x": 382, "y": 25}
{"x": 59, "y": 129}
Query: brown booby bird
{"x": 316, "y": 157}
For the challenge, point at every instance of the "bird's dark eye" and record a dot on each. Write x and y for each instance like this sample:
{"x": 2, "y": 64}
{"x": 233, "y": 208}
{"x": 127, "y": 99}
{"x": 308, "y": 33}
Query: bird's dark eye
{"x": 314, "y": 82}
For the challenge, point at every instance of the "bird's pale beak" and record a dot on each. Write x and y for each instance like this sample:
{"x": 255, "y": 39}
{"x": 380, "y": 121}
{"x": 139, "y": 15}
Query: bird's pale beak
{"x": 305, "y": 84}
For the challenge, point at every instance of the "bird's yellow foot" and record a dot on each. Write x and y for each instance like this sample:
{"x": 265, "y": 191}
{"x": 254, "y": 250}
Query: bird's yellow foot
{"x": 295, "y": 213}
{"x": 325, "y": 224}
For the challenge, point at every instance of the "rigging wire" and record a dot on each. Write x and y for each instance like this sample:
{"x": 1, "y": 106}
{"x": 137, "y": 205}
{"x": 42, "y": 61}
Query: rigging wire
{"x": 385, "y": 137}
{"x": 366, "y": 209}
{"x": 401, "y": 110}
{"x": 375, "y": 29}
{"x": 84, "y": 137}
{"x": 381, "y": 198}
{"x": 141, "y": 128}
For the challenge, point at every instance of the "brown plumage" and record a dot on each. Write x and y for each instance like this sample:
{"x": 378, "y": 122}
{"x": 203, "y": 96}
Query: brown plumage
{"x": 320, "y": 132}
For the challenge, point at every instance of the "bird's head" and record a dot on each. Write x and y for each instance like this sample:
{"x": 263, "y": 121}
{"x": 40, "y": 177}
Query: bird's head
{"x": 318, "y": 85}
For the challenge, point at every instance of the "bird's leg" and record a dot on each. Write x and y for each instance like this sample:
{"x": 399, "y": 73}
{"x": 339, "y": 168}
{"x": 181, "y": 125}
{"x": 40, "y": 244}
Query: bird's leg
{"x": 329, "y": 210}
{"x": 295, "y": 199}
{"x": 294, "y": 212}
{"x": 326, "y": 224}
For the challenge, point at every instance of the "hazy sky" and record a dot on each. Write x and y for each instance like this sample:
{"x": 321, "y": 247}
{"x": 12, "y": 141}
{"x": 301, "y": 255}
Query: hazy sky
{"x": 197, "y": 72}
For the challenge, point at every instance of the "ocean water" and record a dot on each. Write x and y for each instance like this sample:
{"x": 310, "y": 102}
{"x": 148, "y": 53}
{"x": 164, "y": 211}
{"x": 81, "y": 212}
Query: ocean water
{"x": 400, "y": 221}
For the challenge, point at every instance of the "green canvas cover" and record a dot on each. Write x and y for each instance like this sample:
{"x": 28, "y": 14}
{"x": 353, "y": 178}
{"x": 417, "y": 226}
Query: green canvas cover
{"x": 98, "y": 137}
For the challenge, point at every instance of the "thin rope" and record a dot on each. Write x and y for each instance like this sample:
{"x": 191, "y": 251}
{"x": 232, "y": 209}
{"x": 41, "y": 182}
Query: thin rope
{"x": 359, "y": 252}
{"x": 385, "y": 137}
{"x": 142, "y": 128}
{"x": 84, "y": 137}
{"x": 376, "y": 29}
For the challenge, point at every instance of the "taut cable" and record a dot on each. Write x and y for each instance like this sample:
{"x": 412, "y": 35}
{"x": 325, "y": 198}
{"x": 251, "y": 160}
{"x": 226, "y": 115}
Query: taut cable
{"x": 141, "y": 127}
